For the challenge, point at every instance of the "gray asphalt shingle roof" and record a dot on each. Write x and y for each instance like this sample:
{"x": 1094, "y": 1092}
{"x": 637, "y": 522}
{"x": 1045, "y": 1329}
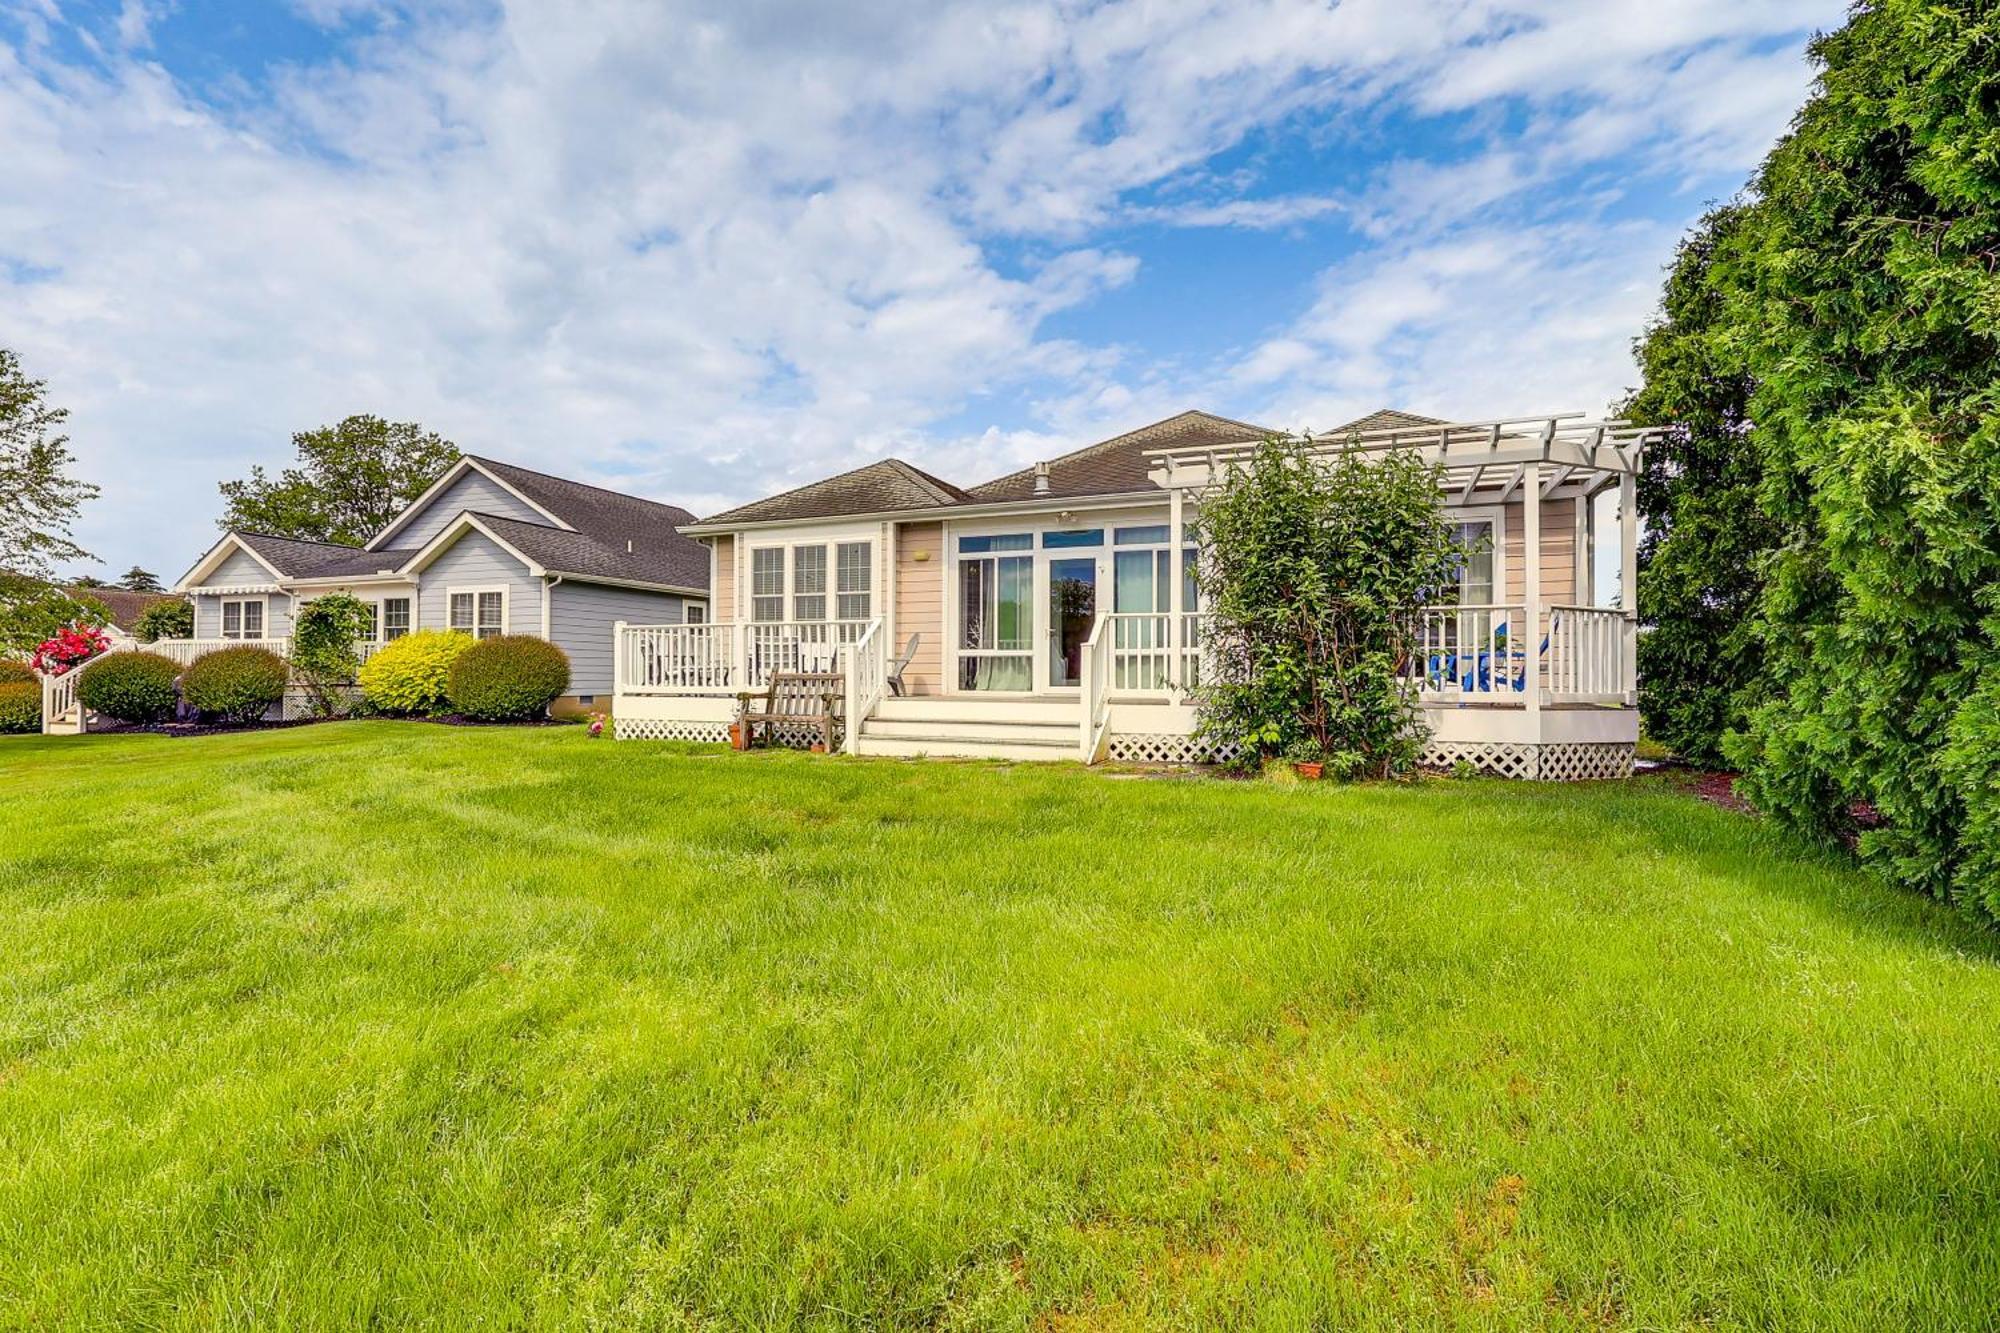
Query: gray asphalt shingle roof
{"x": 877, "y": 488}
{"x": 317, "y": 560}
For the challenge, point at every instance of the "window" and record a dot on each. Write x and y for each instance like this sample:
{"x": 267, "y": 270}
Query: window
{"x": 1476, "y": 582}
{"x": 479, "y": 612}
{"x": 373, "y": 634}
{"x": 852, "y": 580}
{"x": 243, "y": 619}
{"x": 996, "y": 613}
{"x": 1019, "y": 541}
{"x": 695, "y": 613}
{"x": 809, "y": 583}
{"x": 1153, "y": 534}
{"x": 395, "y": 618}
{"x": 767, "y": 583}
{"x": 1056, "y": 541}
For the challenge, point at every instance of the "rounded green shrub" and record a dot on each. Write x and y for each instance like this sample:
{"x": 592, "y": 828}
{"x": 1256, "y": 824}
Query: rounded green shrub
{"x": 235, "y": 684}
{"x": 16, "y": 673}
{"x": 413, "y": 674}
{"x": 20, "y": 706}
{"x": 131, "y": 687}
{"x": 508, "y": 678}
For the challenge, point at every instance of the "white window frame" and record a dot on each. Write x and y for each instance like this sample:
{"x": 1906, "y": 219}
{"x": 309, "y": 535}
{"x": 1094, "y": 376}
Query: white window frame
{"x": 1497, "y": 516}
{"x": 381, "y": 605}
{"x": 475, "y": 593}
{"x": 263, "y": 605}
{"x": 800, "y": 594}
{"x": 831, "y": 542}
{"x": 784, "y": 554}
{"x": 694, "y": 613}
{"x": 866, "y": 592}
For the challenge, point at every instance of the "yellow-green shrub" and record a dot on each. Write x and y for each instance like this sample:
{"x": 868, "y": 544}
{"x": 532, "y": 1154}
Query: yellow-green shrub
{"x": 413, "y": 673}
{"x": 20, "y": 706}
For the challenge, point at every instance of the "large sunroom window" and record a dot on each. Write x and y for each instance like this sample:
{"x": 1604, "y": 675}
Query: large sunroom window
{"x": 996, "y": 601}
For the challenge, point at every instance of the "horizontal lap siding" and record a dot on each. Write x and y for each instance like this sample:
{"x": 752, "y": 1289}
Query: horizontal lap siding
{"x": 474, "y": 491}
{"x": 580, "y": 619}
{"x": 724, "y": 591}
{"x": 240, "y": 570}
{"x": 1558, "y": 555}
{"x": 474, "y": 561}
{"x": 920, "y": 604}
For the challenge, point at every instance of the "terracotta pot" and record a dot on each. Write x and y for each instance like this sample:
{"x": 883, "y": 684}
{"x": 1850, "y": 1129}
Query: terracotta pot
{"x": 1310, "y": 771}
{"x": 819, "y": 747}
{"x": 735, "y": 735}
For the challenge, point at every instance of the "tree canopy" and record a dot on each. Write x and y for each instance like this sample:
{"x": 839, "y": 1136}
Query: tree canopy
{"x": 137, "y": 579}
{"x": 1857, "y": 293}
{"x": 39, "y": 499}
{"x": 352, "y": 479}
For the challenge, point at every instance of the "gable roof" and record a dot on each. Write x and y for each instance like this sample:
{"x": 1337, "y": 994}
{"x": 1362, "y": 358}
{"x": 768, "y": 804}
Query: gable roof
{"x": 658, "y": 554}
{"x": 299, "y": 559}
{"x": 1119, "y": 465}
{"x": 876, "y": 488}
{"x": 466, "y": 463}
{"x": 124, "y": 605}
{"x": 1383, "y": 418}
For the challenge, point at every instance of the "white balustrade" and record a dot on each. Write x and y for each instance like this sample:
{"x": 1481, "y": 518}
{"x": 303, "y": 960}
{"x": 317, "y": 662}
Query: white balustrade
{"x": 1471, "y": 652}
{"x": 864, "y": 678}
{"x": 184, "y": 651}
{"x": 1586, "y": 653}
{"x": 1096, "y": 664}
{"x": 668, "y": 658}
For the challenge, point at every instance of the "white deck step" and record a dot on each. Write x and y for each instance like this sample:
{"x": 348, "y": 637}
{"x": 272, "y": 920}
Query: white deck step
{"x": 1060, "y": 733}
{"x": 962, "y": 709}
{"x": 960, "y": 747}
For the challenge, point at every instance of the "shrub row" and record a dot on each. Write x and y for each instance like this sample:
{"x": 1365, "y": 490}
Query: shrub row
{"x": 230, "y": 685}
{"x": 508, "y": 678}
{"x": 132, "y": 687}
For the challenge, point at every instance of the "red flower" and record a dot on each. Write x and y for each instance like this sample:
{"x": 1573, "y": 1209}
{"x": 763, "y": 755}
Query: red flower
{"x": 69, "y": 649}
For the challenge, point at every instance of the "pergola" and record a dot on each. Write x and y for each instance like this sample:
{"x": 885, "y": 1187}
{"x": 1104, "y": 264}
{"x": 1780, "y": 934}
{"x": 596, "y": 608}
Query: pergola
{"x": 1556, "y": 456}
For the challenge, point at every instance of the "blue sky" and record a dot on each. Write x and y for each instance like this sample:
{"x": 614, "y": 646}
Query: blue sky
{"x": 702, "y": 251}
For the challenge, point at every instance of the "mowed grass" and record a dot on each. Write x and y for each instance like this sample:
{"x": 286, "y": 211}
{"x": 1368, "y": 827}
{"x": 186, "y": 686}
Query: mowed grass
{"x": 434, "y": 1027}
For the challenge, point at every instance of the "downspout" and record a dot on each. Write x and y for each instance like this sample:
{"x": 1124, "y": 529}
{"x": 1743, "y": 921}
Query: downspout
{"x": 549, "y": 582}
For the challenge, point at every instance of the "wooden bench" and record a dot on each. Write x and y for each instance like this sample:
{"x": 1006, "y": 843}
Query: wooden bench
{"x": 795, "y": 700}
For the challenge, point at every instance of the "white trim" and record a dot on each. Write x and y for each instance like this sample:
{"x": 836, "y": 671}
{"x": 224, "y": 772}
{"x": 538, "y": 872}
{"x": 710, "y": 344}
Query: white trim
{"x": 449, "y": 537}
{"x": 209, "y": 563}
{"x": 476, "y": 591}
{"x": 677, "y": 590}
{"x": 1497, "y": 516}
{"x": 222, "y": 606}
{"x": 452, "y": 474}
{"x": 382, "y": 615}
{"x": 1000, "y": 510}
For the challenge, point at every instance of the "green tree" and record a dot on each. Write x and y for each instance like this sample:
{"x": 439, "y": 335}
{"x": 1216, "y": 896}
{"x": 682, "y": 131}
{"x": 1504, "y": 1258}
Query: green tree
{"x": 39, "y": 500}
{"x": 172, "y": 619}
{"x": 1862, "y": 290}
{"x": 323, "y": 656}
{"x": 87, "y": 581}
{"x": 1311, "y": 569}
{"x": 33, "y": 609}
{"x": 352, "y": 479}
{"x": 140, "y": 580}
{"x": 1705, "y": 538}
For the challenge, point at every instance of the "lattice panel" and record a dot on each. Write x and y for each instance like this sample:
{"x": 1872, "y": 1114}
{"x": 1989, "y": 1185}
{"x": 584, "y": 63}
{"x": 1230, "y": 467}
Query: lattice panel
{"x": 1159, "y": 748}
{"x": 1560, "y": 761}
{"x": 669, "y": 729}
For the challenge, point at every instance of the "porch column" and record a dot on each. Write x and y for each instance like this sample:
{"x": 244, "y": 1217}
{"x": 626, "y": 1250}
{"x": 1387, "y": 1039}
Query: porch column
{"x": 1531, "y": 586}
{"x": 1176, "y": 600}
{"x": 1628, "y": 582}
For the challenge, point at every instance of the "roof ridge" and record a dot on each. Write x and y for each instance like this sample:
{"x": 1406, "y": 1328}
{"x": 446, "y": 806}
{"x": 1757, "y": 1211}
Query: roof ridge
{"x": 890, "y": 461}
{"x": 572, "y": 481}
{"x": 930, "y": 481}
{"x": 1125, "y": 438}
{"x": 278, "y": 537}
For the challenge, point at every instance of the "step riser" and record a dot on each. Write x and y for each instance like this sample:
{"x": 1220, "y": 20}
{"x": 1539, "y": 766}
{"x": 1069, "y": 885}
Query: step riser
{"x": 942, "y": 749}
{"x": 1063, "y": 732}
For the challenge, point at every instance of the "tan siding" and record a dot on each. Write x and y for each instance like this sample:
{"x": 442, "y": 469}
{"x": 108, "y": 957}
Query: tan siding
{"x": 920, "y": 603}
{"x": 724, "y": 592}
{"x": 1559, "y": 538}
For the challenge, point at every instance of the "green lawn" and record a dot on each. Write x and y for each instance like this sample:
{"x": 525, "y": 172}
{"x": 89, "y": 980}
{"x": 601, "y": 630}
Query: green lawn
{"x": 428, "y": 1026}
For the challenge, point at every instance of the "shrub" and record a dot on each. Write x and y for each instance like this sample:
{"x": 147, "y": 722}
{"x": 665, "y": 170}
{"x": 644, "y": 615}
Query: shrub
{"x": 20, "y": 706}
{"x": 15, "y": 673}
{"x": 165, "y": 620}
{"x": 508, "y": 678}
{"x": 323, "y": 658}
{"x": 413, "y": 673}
{"x": 1312, "y": 569}
{"x": 235, "y": 684}
{"x": 70, "y": 648}
{"x": 131, "y": 687}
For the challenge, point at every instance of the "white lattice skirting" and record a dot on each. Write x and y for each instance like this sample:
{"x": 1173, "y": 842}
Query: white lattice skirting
{"x": 665, "y": 729}
{"x": 1141, "y": 747}
{"x": 1557, "y": 761}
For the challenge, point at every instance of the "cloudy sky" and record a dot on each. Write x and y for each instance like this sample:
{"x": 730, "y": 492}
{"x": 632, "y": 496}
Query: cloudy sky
{"x": 703, "y": 250}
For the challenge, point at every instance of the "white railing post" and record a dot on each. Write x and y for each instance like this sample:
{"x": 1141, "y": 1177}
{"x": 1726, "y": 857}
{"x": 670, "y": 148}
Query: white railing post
{"x": 1176, "y": 595}
{"x": 850, "y": 689}
{"x": 1531, "y": 557}
{"x": 1628, "y": 586}
{"x": 621, "y": 664}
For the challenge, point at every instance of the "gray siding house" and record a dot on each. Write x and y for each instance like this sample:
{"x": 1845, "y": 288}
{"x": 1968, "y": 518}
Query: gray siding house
{"x": 489, "y": 549}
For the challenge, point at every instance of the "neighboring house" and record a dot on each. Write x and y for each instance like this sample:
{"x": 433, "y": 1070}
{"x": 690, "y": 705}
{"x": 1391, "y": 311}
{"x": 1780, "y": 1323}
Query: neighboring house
{"x": 489, "y": 549}
{"x": 1052, "y": 613}
{"x": 124, "y": 605}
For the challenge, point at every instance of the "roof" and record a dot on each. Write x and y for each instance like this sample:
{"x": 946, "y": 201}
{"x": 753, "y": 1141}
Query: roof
{"x": 878, "y": 488}
{"x": 1384, "y": 418}
{"x": 1119, "y": 466}
{"x": 658, "y": 554}
{"x": 124, "y": 605}
{"x": 299, "y": 559}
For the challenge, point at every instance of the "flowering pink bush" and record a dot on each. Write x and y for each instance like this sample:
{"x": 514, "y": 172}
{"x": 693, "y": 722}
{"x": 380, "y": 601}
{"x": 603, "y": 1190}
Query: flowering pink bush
{"x": 596, "y": 724}
{"x": 69, "y": 649}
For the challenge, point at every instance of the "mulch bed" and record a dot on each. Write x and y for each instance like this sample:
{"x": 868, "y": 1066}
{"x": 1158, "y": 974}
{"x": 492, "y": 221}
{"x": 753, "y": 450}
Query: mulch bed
{"x": 108, "y": 728}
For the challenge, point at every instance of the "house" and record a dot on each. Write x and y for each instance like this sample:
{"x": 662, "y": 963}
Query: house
{"x": 124, "y": 605}
{"x": 1051, "y": 612}
{"x": 489, "y": 548}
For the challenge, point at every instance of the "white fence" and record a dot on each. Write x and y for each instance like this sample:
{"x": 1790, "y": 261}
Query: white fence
{"x": 726, "y": 658}
{"x": 1587, "y": 653}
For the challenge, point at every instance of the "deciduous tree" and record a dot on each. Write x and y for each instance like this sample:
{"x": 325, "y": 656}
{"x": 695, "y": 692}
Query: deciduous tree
{"x": 352, "y": 479}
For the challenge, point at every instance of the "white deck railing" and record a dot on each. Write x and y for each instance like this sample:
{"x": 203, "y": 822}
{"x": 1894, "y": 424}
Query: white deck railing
{"x": 1096, "y": 664}
{"x": 184, "y": 651}
{"x": 1586, "y": 658}
{"x": 1471, "y": 652}
{"x": 727, "y": 658}
{"x": 59, "y": 699}
{"x": 864, "y": 673}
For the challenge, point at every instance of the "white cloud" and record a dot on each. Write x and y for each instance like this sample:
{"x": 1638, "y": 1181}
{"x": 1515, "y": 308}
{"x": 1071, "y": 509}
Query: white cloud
{"x": 700, "y": 250}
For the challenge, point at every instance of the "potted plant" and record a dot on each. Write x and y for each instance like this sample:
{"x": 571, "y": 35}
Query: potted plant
{"x": 1308, "y": 758}
{"x": 739, "y": 738}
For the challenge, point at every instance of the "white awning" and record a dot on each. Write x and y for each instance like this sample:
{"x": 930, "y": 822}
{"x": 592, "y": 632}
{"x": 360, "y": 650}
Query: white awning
{"x": 235, "y": 590}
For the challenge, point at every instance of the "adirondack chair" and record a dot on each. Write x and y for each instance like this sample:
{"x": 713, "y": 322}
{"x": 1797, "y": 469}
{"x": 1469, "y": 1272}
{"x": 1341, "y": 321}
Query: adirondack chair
{"x": 795, "y": 701}
{"x": 896, "y": 667}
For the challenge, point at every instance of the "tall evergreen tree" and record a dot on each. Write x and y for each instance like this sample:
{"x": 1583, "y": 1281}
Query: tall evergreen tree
{"x": 1705, "y": 537}
{"x": 140, "y": 580}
